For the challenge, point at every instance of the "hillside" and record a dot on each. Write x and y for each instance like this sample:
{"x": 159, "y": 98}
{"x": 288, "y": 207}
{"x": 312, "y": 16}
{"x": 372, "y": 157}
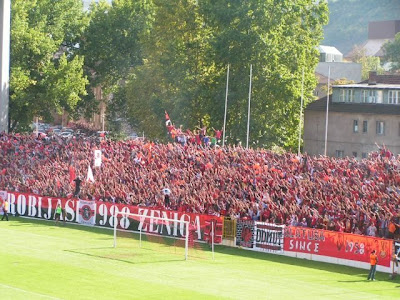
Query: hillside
{"x": 348, "y": 20}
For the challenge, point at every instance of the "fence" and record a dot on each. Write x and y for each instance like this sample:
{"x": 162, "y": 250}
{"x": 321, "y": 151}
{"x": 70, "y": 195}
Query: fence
{"x": 229, "y": 231}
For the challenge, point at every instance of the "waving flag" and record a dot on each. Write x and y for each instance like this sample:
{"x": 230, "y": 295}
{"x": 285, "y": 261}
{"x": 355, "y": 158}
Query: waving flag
{"x": 72, "y": 174}
{"x": 90, "y": 175}
{"x": 167, "y": 119}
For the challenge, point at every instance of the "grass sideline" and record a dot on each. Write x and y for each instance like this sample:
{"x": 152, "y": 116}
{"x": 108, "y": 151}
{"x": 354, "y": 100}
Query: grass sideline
{"x": 39, "y": 260}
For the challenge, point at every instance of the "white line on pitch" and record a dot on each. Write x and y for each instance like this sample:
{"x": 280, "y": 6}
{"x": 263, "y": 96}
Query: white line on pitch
{"x": 29, "y": 292}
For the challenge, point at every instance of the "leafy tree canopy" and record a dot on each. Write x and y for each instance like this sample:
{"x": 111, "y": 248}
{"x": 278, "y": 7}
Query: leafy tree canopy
{"x": 111, "y": 43}
{"x": 192, "y": 42}
{"x": 392, "y": 53}
{"x": 46, "y": 75}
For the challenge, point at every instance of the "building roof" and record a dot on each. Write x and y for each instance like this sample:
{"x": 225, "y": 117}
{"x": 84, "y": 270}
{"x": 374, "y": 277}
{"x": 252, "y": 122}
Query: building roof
{"x": 382, "y": 79}
{"x": 329, "y": 49}
{"x": 383, "y": 29}
{"x": 322, "y": 79}
{"x": 364, "y": 108}
{"x": 368, "y": 86}
{"x": 340, "y": 70}
{"x": 374, "y": 47}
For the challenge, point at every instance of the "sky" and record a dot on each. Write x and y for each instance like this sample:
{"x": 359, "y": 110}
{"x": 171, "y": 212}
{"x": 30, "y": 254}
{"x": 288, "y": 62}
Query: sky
{"x": 86, "y": 3}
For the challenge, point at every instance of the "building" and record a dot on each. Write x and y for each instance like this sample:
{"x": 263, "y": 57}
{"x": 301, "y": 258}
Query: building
{"x": 329, "y": 54}
{"x": 378, "y": 34}
{"x": 361, "y": 117}
{"x": 332, "y": 59}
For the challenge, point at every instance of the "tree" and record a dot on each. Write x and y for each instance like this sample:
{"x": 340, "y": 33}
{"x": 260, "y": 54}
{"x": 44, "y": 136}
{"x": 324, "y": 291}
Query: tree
{"x": 172, "y": 76}
{"x": 392, "y": 53}
{"x": 112, "y": 46}
{"x": 46, "y": 75}
{"x": 279, "y": 39}
{"x": 192, "y": 43}
{"x": 111, "y": 43}
{"x": 368, "y": 63}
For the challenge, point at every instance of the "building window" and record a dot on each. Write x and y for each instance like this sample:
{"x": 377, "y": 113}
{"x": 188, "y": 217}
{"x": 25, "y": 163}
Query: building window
{"x": 365, "y": 126}
{"x": 339, "y": 153}
{"x": 355, "y": 125}
{"x": 346, "y": 95}
{"x": 354, "y": 154}
{"x": 380, "y": 127}
{"x": 368, "y": 96}
{"x": 393, "y": 97}
{"x": 364, "y": 155}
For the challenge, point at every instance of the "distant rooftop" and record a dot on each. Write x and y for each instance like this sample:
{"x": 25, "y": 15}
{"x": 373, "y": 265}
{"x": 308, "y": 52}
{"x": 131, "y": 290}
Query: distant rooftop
{"x": 368, "y": 86}
{"x": 340, "y": 70}
{"x": 383, "y": 29}
{"x": 366, "y": 108}
{"x": 329, "y": 50}
{"x": 382, "y": 79}
{"x": 379, "y": 33}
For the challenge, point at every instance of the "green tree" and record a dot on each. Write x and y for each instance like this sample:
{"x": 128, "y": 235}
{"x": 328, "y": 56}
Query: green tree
{"x": 111, "y": 43}
{"x": 392, "y": 53}
{"x": 111, "y": 46}
{"x": 368, "y": 63}
{"x": 46, "y": 75}
{"x": 192, "y": 43}
{"x": 172, "y": 76}
{"x": 279, "y": 39}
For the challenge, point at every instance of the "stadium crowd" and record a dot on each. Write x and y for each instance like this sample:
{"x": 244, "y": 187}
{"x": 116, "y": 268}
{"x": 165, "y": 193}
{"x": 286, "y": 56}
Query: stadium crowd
{"x": 349, "y": 195}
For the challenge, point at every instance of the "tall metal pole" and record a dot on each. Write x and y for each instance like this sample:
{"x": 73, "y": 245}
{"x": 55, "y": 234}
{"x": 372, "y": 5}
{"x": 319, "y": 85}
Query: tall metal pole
{"x": 301, "y": 111}
{"x": 5, "y": 13}
{"x": 226, "y": 106}
{"x": 248, "y": 110}
{"x": 37, "y": 127}
{"x": 327, "y": 112}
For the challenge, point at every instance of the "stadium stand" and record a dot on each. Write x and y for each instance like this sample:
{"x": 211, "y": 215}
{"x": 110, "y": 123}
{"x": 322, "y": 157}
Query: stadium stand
{"x": 349, "y": 195}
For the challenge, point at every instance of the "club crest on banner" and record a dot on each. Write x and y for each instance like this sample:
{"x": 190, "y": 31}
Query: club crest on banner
{"x": 87, "y": 212}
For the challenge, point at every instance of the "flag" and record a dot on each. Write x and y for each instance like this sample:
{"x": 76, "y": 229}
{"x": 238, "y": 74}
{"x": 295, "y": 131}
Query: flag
{"x": 72, "y": 174}
{"x": 87, "y": 212}
{"x": 167, "y": 119}
{"x": 90, "y": 175}
{"x": 97, "y": 158}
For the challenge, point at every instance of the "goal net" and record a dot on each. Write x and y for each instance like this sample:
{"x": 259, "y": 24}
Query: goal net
{"x": 156, "y": 237}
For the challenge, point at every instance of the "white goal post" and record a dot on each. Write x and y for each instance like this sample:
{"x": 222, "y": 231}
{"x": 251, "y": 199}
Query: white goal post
{"x": 150, "y": 220}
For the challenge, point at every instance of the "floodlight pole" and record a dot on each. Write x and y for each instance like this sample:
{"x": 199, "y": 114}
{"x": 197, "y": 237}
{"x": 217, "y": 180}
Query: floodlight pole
{"x": 301, "y": 111}
{"x": 248, "y": 110}
{"x": 327, "y": 113}
{"x": 226, "y": 106}
{"x": 5, "y": 15}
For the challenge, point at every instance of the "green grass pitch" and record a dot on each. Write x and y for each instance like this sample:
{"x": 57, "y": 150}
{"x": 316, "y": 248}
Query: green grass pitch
{"x": 39, "y": 260}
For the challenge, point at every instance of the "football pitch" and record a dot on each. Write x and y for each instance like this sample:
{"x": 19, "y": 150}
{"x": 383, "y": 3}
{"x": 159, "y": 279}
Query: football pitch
{"x": 39, "y": 260}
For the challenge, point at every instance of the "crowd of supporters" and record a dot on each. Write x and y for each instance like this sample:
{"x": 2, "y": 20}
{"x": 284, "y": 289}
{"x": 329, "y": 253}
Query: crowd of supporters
{"x": 349, "y": 195}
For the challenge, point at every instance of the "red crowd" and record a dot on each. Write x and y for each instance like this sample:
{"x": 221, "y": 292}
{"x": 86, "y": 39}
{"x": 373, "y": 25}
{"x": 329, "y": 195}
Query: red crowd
{"x": 358, "y": 196}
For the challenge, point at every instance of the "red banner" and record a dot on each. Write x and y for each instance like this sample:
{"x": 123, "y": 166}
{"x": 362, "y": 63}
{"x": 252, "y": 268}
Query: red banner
{"x": 44, "y": 208}
{"x": 337, "y": 244}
